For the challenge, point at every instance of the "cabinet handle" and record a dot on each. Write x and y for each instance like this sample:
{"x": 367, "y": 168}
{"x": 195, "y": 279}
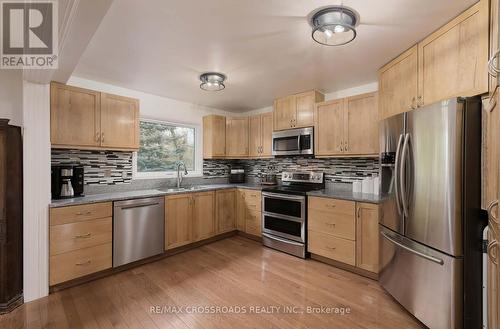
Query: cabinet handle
{"x": 492, "y": 205}
{"x": 359, "y": 213}
{"x": 83, "y": 236}
{"x": 97, "y": 136}
{"x": 420, "y": 101}
{"x": 493, "y": 69}
{"x": 81, "y": 213}
{"x": 330, "y": 224}
{"x": 413, "y": 105}
{"x": 493, "y": 256}
{"x": 87, "y": 262}
{"x": 341, "y": 146}
{"x": 346, "y": 146}
{"x": 331, "y": 248}
{"x": 331, "y": 205}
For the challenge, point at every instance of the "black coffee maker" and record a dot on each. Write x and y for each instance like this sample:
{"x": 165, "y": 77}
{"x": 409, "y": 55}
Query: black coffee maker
{"x": 67, "y": 181}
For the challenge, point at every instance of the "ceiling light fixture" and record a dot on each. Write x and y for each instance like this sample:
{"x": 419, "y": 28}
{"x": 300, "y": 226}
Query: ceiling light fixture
{"x": 212, "y": 81}
{"x": 334, "y": 25}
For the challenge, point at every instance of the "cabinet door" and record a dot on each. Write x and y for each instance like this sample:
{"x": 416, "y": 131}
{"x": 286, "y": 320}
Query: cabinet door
{"x": 226, "y": 210}
{"x": 253, "y": 222}
{"x": 453, "y": 60}
{"x": 305, "y": 103}
{"x": 361, "y": 125}
{"x": 214, "y": 136}
{"x": 204, "y": 215}
{"x": 367, "y": 236}
{"x": 398, "y": 84}
{"x": 178, "y": 220}
{"x": 285, "y": 111}
{"x": 119, "y": 122}
{"x": 267, "y": 135}
{"x": 237, "y": 137}
{"x": 255, "y": 136}
{"x": 329, "y": 126}
{"x": 74, "y": 116}
{"x": 240, "y": 210}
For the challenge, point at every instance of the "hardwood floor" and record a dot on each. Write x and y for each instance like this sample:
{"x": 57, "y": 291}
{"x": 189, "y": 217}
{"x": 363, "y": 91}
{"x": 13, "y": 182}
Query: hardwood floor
{"x": 235, "y": 272}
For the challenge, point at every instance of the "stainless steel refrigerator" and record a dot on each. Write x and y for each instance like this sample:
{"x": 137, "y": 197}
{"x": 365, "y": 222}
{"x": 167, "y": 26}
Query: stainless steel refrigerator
{"x": 431, "y": 226}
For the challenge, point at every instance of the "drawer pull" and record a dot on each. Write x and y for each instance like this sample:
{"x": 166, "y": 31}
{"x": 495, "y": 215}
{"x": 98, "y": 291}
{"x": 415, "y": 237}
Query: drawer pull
{"x": 493, "y": 255}
{"x": 81, "y": 213}
{"x": 331, "y": 205}
{"x": 331, "y": 248}
{"x": 330, "y": 224}
{"x": 493, "y": 218}
{"x": 87, "y": 262}
{"x": 83, "y": 236}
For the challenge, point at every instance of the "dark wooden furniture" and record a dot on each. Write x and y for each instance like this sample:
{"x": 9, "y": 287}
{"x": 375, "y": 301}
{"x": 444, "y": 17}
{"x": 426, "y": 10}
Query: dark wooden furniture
{"x": 11, "y": 217}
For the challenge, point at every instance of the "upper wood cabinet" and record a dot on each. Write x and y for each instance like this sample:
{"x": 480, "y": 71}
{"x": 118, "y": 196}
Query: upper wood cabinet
{"x": 237, "y": 137}
{"x": 119, "y": 122}
{"x": 226, "y": 210}
{"x": 260, "y": 135}
{"x": 75, "y": 116}
{"x": 296, "y": 111}
{"x": 347, "y": 126}
{"x": 398, "y": 84}
{"x": 453, "y": 60}
{"x": 450, "y": 62}
{"x": 87, "y": 119}
{"x": 214, "y": 136}
{"x": 367, "y": 217}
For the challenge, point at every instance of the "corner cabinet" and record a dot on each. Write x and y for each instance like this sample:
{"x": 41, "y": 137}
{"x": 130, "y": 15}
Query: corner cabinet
{"x": 347, "y": 126}
{"x": 296, "y": 111}
{"x": 448, "y": 63}
{"x": 87, "y": 119}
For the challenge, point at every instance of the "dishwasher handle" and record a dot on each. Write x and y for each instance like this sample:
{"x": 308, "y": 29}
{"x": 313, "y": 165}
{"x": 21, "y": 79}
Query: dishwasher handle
{"x": 138, "y": 203}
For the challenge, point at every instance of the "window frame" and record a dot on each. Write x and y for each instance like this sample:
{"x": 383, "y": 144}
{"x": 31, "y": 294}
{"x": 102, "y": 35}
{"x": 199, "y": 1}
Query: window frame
{"x": 197, "y": 172}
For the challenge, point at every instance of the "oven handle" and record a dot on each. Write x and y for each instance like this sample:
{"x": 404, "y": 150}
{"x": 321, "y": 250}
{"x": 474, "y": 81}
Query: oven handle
{"x": 284, "y": 196}
{"x": 286, "y": 217}
{"x": 282, "y": 240}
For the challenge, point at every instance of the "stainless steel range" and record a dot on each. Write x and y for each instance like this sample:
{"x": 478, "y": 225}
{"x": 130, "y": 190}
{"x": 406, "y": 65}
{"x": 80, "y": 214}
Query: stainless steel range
{"x": 284, "y": 215}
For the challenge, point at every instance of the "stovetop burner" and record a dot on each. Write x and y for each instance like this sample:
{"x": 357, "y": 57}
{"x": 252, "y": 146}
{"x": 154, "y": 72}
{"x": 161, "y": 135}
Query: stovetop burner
{"x": 298, "y": 183}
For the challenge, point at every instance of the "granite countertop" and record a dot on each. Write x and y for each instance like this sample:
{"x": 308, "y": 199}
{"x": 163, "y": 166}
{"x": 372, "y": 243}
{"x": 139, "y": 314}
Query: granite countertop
{"x": 344, "y": 194}
{"x": 127, "y": 195}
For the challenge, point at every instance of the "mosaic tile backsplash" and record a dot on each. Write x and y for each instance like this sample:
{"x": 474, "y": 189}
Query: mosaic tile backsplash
{"x": 100, "y": 167}
{"x": 342, "y": 170}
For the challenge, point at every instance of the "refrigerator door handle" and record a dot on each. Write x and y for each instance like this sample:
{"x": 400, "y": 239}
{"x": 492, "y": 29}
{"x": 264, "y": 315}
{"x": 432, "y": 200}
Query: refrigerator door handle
{"x": 416, "y": 252}
{"x": 396, "y": 174}
{"x": 402, "y": 175}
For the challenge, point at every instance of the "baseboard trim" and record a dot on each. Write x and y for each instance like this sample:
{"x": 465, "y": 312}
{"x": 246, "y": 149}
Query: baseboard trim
{"x": 11, "y": 304}
{"x": 350, "y": 268}
{"x": 250, "y": 236}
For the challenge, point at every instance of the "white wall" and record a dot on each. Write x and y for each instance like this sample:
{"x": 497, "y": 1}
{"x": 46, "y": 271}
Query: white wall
{"x": 159, "y": 108}
{"x": 11, "y": 96}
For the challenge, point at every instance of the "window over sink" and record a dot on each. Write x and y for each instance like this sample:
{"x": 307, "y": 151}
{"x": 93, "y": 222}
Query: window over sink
{"x": 162, "y": 145}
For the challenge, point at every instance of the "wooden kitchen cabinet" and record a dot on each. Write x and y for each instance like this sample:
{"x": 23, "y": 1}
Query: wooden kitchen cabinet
{"x": 453, "y": 60}
{"x": 119, "y": 122}
{"x": 214, "y": 136}
{"x": 260, "y": 135}
{"x": 398, "y": 84}
{"x": 75, "y": 116}
{"x": 296, "y": 111}
{"x": 204, "y": 215}
{"x": 494, "y": 42}
{"x": 248, "y": 209}
{"x": 178, "y": 220}
{"x": 226, "y": 210}
{"x": 367, "y": 217}
{"x": 347, "y": 126}
{"x": 237, "y": 133}
{"x": 87, "y": 119}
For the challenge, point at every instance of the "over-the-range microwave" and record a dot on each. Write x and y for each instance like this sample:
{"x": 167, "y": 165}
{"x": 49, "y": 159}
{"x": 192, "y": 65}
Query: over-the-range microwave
{"x": 294, "y": 142}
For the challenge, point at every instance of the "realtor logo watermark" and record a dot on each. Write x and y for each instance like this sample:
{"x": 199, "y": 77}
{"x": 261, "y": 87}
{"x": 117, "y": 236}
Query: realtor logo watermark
{"x": 29, "y": 35}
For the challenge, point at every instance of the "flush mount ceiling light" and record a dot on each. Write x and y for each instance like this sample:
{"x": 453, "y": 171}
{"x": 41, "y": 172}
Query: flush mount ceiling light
{"x": 334, "y": 25}
{"x": 212, "y": 81}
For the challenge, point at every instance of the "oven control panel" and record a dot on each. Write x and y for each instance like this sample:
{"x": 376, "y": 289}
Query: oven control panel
{"x": 302, "y": 176}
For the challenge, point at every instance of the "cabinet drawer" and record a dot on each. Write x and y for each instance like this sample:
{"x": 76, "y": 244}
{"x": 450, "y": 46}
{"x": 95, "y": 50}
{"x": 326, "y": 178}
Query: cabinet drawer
{"x": 81, "y": 213}
{"x": 74, "y": 236}
{"x": 74, "y": 264}
{"x": 253, "y": 223}
{"x": 252, "y": 200}
{"x": 329, "y": 246}
{"x": 341, "y": 225}
{"x": 332, "y": 205}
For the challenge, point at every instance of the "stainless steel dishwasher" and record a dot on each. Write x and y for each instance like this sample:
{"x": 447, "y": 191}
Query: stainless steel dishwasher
{"x": 138, "y": 229}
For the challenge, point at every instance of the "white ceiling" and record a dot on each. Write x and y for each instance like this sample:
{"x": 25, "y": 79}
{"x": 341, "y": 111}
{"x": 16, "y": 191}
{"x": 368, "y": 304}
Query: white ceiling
{"x": 263, "y": 46}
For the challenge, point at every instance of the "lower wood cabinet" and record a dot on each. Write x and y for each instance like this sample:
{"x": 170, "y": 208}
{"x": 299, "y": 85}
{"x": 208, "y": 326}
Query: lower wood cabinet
{"x": 189, "y": 218}
{"x": 248, "y": 208}
{"x": 80, "y": 241}
{"x": 344, "y": 231}
{"x": 226, "y": 210}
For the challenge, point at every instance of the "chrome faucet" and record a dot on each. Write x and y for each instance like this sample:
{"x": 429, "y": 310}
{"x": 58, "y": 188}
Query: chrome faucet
{"x": 179, "y": 175}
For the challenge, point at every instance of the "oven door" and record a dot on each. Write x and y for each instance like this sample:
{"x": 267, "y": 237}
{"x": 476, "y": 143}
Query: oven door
{"x": 293, "y": 142}
{"x": 283, "y": 215}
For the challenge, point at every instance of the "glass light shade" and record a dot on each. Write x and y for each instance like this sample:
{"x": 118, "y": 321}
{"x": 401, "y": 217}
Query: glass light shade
{"x": 212, "y": 81}
{"x": 334, "y": 26}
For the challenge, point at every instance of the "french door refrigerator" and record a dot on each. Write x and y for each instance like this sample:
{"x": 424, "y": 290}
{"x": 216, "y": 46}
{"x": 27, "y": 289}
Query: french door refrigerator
{"x": 431, "y": 227}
